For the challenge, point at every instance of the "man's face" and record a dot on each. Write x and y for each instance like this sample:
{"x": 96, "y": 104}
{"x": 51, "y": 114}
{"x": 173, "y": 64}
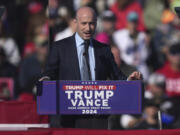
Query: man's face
{"x": 175, "y": 59}
{"x": 132, "y": 25}
{"x": 86, "y": 25}
{"x": 108, "y": 26}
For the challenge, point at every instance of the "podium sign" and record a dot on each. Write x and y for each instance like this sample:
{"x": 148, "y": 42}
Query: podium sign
{"x": 89, "y": 97}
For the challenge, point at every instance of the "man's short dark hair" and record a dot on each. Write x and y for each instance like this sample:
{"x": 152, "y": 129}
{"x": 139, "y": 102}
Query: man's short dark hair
{"x": 174, "y": 49}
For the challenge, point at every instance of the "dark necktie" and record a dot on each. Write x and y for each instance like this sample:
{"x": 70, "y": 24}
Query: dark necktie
{"x": 86, "y": 73}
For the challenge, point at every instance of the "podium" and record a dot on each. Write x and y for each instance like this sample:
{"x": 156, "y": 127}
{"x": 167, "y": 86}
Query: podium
{"x": 89, "y": 97}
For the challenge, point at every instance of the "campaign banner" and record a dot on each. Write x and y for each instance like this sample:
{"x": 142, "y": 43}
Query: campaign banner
{"x": 90, "y": 97}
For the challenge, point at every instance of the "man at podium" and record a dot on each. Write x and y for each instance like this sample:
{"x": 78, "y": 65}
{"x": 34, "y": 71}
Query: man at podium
{"x": 80, "y": 57}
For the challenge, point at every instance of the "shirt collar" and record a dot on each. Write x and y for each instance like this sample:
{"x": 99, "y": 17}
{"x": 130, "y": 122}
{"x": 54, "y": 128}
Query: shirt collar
{"x": 80, "y": 41}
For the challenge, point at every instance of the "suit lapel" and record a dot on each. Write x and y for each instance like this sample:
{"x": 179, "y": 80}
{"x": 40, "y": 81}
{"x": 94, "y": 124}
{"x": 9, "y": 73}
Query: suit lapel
{"x": 74, "y": 58}
{"x": 96, "y": 54}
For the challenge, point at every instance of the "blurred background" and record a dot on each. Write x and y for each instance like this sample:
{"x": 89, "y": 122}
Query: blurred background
{"x": 144, "y": 35}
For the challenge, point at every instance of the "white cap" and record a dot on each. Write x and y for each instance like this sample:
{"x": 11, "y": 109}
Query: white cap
{"x": 156, "y": 78}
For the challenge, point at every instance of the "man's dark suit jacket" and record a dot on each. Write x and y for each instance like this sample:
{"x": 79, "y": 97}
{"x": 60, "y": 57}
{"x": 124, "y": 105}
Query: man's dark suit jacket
{"x": 63, "y": 64}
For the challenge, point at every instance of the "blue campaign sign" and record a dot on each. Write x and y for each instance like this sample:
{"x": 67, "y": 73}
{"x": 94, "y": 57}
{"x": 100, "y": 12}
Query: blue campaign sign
{"x": 89, "y": 97}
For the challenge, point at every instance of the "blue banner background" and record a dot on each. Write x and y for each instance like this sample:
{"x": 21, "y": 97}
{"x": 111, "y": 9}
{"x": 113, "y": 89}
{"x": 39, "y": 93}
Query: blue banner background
{"x": 127, "y": 98}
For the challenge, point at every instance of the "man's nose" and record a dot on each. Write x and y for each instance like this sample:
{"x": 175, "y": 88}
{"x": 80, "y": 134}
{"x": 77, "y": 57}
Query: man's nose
{"x": 88, "y": 28}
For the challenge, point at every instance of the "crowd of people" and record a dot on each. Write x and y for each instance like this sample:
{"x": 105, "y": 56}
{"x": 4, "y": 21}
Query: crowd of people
{"x": 144, "y": 35}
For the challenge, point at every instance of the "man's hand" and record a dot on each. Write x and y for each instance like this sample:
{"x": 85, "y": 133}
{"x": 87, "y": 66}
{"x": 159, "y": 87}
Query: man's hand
{"x": 135, "y": 76}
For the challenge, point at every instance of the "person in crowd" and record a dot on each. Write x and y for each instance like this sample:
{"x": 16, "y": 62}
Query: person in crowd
{"x": 89, "y": 3}
{"x": 108, "y": 27}
{"x": 165, "y": 34}
{"x": 70, "y": 51}
{"x": 69, "y": 31}
{"x": 114, "y": 120}
{"x": 122, "y": 8}
{"x": 9, "y": 45}
{"x": 171, "y": 71}
{"x": 125, "y": 68}
{"x": 57, "y": 14}
{"x": 152, "y": 17}
{"x": 6, "y": 68}
{"x": 154, "y": 98}
{"x": 7, "y": 72}
{"x": 155, "y": 89}
{"x": 150, "y": 117}
{"x": 29, "y": 75}
{"x": 133, "y": 44}
{"x": 37, "y": 24}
